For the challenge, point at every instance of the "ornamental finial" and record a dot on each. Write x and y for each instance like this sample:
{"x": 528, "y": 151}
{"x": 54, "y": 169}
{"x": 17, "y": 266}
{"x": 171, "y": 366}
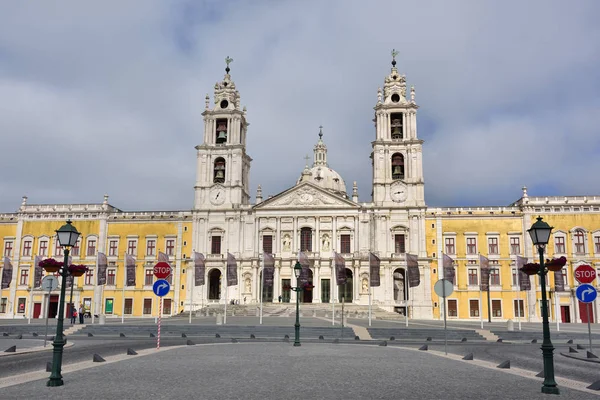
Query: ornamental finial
{"x": 228, "y": 60}
{"x": 320, "y": 132}
{"x": 394, "y": 54}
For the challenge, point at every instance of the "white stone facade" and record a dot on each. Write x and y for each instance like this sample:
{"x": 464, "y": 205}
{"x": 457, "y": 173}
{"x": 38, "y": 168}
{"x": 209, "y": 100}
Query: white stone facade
{"x": 316, "y": 214}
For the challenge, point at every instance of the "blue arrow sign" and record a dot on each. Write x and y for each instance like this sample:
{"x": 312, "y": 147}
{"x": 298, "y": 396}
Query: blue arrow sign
{"x": 586, "y": 293}
{"x": 161, "y": 287}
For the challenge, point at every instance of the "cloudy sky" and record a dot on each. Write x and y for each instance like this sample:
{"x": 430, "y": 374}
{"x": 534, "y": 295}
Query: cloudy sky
{"x": 106, "y": 97}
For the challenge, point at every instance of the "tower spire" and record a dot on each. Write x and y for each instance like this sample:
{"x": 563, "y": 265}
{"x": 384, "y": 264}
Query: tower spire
{"x": 320, "y": 151}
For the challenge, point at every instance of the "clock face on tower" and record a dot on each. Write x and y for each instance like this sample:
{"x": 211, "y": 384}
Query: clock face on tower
{"x": 217, "y": 196}
{"x": 399, "y": 192}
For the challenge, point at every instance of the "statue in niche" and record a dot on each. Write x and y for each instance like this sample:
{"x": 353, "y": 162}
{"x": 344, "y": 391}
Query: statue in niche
{"x": 365, "y": 285}
{"x": 247, "y": 285}
{"x": 287, "y": 243}
{"x": 325, "y": 243}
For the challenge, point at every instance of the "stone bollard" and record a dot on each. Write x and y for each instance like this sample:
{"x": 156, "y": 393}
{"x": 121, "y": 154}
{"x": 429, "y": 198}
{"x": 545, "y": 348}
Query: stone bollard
{"x": 510, "y": 325}
{"x": 314, "y": 313}
{"x": 257, "y": 312}
{"x": 326, "y": 315}
{"x": 219, "y": 319}
{"x": 206, "y": 313}
{"x": 102, "y": 319}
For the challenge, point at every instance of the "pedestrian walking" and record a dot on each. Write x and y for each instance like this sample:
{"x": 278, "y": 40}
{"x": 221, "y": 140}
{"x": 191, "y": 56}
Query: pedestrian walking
{"x": 73, "y": 314}
{"x": 81, "y": 313}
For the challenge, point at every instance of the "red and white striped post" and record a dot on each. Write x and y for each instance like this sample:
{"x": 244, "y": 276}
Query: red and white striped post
{"x": 159, "y": 318}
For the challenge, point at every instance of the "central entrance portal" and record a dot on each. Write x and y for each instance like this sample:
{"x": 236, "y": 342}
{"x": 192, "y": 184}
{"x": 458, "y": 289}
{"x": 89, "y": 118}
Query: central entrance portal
{"x": 214, "y": 285}
{"x": 306, "y": 296}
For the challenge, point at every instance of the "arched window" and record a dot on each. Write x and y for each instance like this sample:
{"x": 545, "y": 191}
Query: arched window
{"x": 219, "y": 170}
{"x": 306, "y": 239}
{"x": 397, "y": 166}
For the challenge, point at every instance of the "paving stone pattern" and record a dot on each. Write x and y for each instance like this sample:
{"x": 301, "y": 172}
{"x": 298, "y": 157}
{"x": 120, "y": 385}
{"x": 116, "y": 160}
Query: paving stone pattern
{"x": 281, "y": 371}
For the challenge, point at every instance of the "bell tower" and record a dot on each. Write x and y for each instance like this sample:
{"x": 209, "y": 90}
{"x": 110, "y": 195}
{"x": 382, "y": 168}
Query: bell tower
{"x": 223, "y": 167}
{"x": 397, "y": 156}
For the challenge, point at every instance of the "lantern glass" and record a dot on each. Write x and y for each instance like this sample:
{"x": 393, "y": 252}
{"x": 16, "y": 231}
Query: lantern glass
{"x": 540, "y": 232}
{"x": 67, "y": 235}
{"x": 297, "y": 269}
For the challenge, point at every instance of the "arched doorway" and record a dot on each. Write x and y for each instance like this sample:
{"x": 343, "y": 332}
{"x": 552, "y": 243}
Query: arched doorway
{"x": 267, "y": 291}
{"x": 346, "y": 291}
{"x": 214, "y": 284}
{"x": 400, "y": 288}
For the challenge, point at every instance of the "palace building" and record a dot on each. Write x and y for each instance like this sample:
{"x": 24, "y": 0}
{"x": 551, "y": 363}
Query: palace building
{"x": 317, "y": 216}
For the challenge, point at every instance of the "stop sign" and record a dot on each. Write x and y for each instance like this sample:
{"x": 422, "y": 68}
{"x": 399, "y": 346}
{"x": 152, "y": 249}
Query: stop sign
{"x": 162, "y": 270}
{"x": 585, "y": 274}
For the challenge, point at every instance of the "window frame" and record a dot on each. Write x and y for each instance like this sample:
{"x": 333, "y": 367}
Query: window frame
{"x": 493, "y": 248}
{"x": 8, "y": 248}
{"x": 450, "y": 245}
{"x": 471, "y": 242}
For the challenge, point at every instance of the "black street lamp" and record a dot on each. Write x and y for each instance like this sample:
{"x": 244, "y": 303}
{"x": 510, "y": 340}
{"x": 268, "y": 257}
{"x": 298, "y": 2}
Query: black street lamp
{"x": 540, "y": 235}
{"x": 67, "y": 238}
{"x": 297, "y": 289}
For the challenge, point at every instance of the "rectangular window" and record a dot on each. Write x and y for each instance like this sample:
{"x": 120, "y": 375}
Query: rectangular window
{"x": 450, "y": 249}
{"x": 151, "y": 247}
{"x": 89, "y": 277}
{"x": 473, "y": 277}
{"x": 132, "y": 247}
{"x": 474, "y": 308}
{"x": 166, "y": 306}
{"x": 579, "y": 242}
{"x": 515, "y": 245}
{"x": 75, "y": 249}
{"x": 519, "y": 310}
{"x": 399, "y": 244}
{"x": 113, "y": 246}
{"x": 3, "y": 305}
{"x": 492, "y": 245}
{"x": 43, "y": 248}
{"x": 24, "y": 277}
{"x": 515, "y": 277}
{"x": 452, "y": 308}
{"x": 494, "y": 276}
{"x": 91, "y": 248}
{"x": 597, "y": 244}
{"x": 215, "y": 245}
{"x": 27, "y": 248}
{"x": 471, "y": 246}
{"x": 496, "y": 308}
{"x": 110, "y": 277}
{"x": 147, "y": 306}
{"x": 21, "y": 305}
{"x": 345, "y": 243}
{"x": 58, "y": 250}
{"x": 268, "y": 244}
{"x": 8, "y": 248}
{"x": 559, "y": 244}
{"x": 149, "y": 277}
{"x": 564, "y": 277}
{"x": 170, "y": 248}
{"x": 306, "y": 239}
{"x": 128, "y": 307}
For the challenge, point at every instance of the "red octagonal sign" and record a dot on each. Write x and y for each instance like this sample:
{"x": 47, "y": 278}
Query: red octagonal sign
{"x": 585, "y": 274}
{"x": 162, "y": 270}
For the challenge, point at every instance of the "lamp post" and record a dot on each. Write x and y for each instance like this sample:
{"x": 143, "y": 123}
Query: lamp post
{"x": 297, "y": 289}
{"x": 540, "y": 235}
{"x": 67, "y": 238}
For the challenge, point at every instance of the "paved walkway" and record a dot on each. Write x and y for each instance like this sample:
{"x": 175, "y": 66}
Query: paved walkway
{"x": 281, "y": 371}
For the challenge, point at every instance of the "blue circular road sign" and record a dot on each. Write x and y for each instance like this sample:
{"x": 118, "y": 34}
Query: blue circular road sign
{"x": 161, "y": 287}
{"x": 586, "y": 293}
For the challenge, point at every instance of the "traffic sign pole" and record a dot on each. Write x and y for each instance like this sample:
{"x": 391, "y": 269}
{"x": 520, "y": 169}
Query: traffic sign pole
{"x": 589, "y": 326}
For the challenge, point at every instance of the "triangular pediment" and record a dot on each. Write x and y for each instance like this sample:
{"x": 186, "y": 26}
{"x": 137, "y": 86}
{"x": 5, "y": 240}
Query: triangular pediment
{"x": 306, "y": 195}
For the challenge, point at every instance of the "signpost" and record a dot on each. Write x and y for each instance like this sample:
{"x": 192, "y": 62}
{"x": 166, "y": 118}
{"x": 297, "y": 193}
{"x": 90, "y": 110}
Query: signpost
{"x": 586, "y": 293}
{"x": 160, "y": 288}
{"x": 585, "y": 274}
{"x": 444, "y": 288}
{"x": 162, "y": 270}
{"x": 49, "y": 283}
